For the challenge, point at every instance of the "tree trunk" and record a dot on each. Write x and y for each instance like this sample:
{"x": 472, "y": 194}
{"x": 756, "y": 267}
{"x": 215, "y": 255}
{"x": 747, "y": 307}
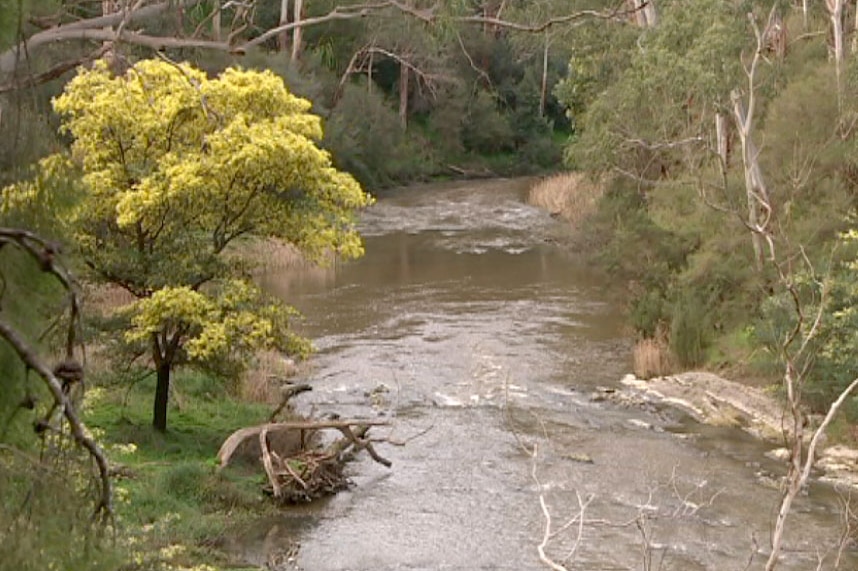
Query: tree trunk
{"x": 162, "y": 392}
{"x": 297, "y": 32}
{"x": 216, "y": 23}
{"x": 645, "y": 14}
{"x": 855, "y": 31}
{"x": 835, "y": 12}
{"x": 283, "y": 38}
{"x": 403, "y": 95}
{"x": 651, "y": 14}
{"x": 755, "y": 186}
{"x": 721, "y": 140}
{"x": 544, "y": 90}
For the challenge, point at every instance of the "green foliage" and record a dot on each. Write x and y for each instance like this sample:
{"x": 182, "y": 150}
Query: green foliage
{"x": 833, "y": 343}
{"x": 679, "y": 76}
{"x": 175, "y": 472}
{"x": 485, "y": 130}
{"x": 46, "y": 517}
{"x": 689, "y": 330}
{"x": 170, "y": 167}
{"x": 366, "y": 137}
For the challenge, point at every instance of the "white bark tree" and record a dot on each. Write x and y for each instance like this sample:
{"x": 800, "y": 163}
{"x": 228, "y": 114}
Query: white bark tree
{"x": 297, "y": 39}
{"x": 283, "y": 38}
{"x": 646, "y": 15}
{"x": 835, "y": 15}
{"x": 744, "y": 108}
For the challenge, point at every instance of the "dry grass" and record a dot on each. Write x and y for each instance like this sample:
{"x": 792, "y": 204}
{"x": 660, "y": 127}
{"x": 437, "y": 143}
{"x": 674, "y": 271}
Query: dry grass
{"x": 269, "y": 255}
{"x": 261, "y": 382}
{"x": 652, "y": 358}
{"x": 572, "y": 196}
{"x": 103, "y": 299}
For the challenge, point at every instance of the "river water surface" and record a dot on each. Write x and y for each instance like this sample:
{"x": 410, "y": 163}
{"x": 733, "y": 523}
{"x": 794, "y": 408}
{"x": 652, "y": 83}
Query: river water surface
{"x": 469, "y": 324}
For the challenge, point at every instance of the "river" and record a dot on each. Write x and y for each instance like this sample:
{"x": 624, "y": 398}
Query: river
{"x": 474, "y": 330}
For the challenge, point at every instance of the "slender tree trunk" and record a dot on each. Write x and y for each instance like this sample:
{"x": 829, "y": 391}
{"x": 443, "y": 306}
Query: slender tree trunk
{"x": 645, "y": 13}
{"x": 835, "y": 12}
{"x": 283, "y": 38}
{"x": 651, "y": 14}
{"x": 721, "y": 139}
{"x": 369, "y": 73}
{"x": 216, "y": 23}
{"x": 755, "y": 186}
{"x": 162, "y": 393}
{"x": 403, "y": 95}
{"x": 544, "y": 91}
{"x": 855, "y": 31}
{"x": 297, "y": 32}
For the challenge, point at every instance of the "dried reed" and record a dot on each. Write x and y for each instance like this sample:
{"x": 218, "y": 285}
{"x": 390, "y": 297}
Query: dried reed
{"x": 652, "y": 358}
{"x": 571, "y": 195}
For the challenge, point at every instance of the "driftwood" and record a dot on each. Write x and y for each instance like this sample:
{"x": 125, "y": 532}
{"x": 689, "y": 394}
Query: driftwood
{"x": 308, "y": 473}
{"x": 286, "y": 394}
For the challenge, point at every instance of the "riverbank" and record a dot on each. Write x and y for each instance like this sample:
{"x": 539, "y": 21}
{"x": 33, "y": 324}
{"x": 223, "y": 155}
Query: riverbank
{"x": 174, "y": 508}
{"x": 705, "y": 397}
{"x": 710, "y": 399}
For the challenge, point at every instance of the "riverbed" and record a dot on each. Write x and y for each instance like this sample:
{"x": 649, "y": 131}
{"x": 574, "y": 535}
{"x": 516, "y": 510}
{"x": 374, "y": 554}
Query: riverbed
{"x": 474, "y": 327}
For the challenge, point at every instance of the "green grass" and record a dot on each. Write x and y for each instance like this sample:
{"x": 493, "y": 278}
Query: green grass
{"x": 171, "y": 493}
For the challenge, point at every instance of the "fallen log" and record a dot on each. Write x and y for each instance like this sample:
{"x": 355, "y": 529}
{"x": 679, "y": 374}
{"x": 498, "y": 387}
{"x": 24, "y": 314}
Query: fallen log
{"x": 308, "y": 473}
{"x": 235, "y": 439}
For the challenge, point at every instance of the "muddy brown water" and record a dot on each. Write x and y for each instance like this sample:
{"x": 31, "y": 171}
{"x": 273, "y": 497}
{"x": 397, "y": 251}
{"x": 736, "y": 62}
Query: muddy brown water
{"x": 469, "y": 324}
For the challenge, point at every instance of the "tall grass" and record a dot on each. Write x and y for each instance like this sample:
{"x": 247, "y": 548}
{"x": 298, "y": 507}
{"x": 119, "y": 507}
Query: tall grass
{"x": 571, "y": 195}
{"x": 652, "y": 358}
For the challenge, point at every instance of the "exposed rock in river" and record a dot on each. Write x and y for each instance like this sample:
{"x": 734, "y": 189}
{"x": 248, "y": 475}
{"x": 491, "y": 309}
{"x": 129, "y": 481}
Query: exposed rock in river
{"x": 710, "y": 399}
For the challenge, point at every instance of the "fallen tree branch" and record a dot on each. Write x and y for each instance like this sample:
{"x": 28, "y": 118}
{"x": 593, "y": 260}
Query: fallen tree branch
{"x": 235, "y": 439}
{"x": 286, "y": 395}
{"x": 267, "y": 464}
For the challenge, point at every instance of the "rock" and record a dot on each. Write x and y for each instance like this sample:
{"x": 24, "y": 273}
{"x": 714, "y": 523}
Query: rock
{"x": 579, "y": 457}
{"x": 637, "y": 423}
{"x": 838, "y": 458}
{"x": 780, "y": 454}
{"x": 710, "y": 399}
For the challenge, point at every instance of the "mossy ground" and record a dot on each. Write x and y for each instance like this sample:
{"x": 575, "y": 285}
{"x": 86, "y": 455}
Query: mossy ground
{"x": 173, "y": 506}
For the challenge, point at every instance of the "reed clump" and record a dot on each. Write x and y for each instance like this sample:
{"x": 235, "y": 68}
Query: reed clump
{"x": 571, "y": 196}
{"x": 652, "y": 358}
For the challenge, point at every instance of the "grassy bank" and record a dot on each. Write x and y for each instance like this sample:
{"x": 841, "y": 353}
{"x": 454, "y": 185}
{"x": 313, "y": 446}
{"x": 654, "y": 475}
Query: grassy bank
{"x": 173, "y": 507}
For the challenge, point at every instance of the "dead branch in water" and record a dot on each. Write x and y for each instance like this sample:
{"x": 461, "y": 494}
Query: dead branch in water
{"x": 231, "y": 444}
{"x": 307, "y": 473}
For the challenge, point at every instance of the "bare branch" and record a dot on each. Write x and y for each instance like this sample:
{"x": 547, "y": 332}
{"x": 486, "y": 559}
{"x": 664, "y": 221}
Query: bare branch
{"x": 236, "y": 438}
{"x": 99, "y": 29}
{"x": 104, "y": 506}
{"x": 10, "y": 58}
{"x": 616, "y": 13}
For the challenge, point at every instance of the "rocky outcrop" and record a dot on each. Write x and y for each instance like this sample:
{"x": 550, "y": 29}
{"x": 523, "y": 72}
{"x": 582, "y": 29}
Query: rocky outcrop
{"x": 710, "y": 399}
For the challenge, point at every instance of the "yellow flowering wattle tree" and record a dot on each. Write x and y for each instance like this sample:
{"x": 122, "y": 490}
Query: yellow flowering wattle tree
{"x": 173, "y": 167}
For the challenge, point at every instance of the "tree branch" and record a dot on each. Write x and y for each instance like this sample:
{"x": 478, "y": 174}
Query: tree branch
{"x": 99, "y": 29}
{"x": 44, "y": 253}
